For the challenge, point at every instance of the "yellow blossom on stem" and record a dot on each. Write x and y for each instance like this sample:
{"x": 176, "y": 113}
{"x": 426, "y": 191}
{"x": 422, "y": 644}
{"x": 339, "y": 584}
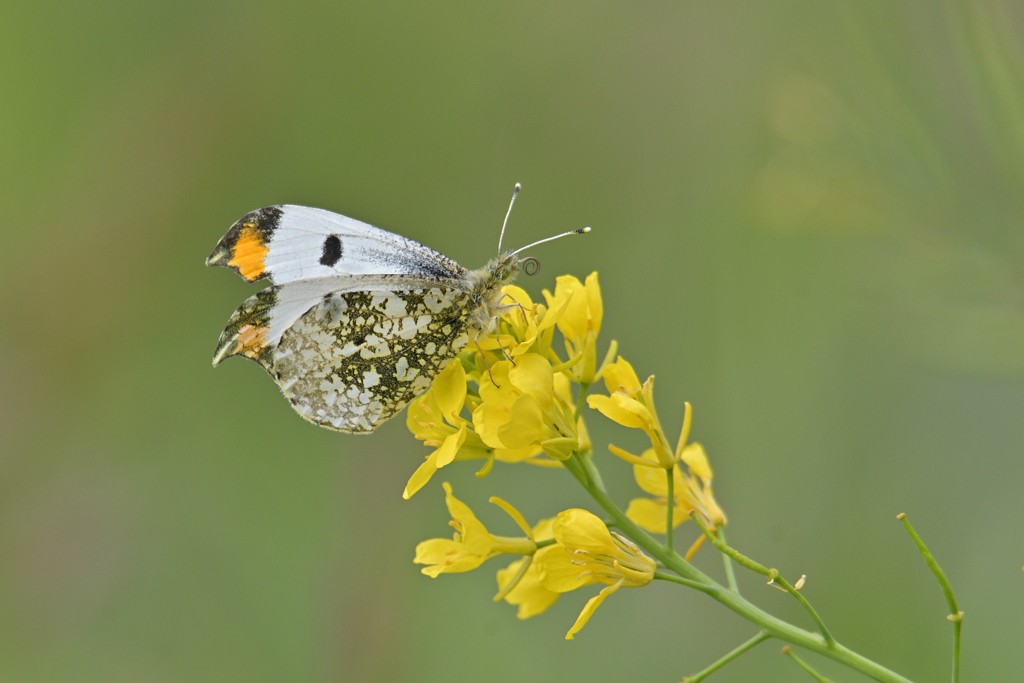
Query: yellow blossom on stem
{"x": 528, "y": 593}
{"x": 586, "y": 553}
{"x": 472, "y": 544}
{"x": 580, "y": 320}
{"x": 520, "y": 408}
{"x": 690, "y": 492}
{"x": 435, "y": 419}
{"x": 631, "y": 404}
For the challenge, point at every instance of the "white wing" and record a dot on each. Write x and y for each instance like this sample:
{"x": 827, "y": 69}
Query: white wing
{"x": 289, "y": 243}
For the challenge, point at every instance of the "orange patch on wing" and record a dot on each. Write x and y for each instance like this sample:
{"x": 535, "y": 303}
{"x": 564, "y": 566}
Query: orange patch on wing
{"x": 251, "y": 340}
{"x": 249, "y": 253}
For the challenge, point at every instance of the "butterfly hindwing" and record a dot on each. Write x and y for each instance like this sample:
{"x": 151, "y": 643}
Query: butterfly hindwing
{"x": 356, "y": 358}
{"x": 289, "y": 243}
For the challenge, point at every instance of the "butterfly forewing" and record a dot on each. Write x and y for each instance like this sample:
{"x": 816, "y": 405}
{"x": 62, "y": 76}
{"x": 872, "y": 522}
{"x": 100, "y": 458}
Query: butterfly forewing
{"x": 291, "y": 243}
{"x": 356, "y": 358}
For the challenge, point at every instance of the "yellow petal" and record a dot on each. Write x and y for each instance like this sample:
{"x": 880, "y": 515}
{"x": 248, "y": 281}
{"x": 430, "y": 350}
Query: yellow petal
{"x": 421, "y": 476}
{"x": 435, "y": 550}
{"x": 649, "y": 515}
{"x": 516, "y": 295}
{"x": 452, "y": 443}
{"x": 715, "y": 514}
{"x": 499, "y": 391}
{"x": 619, "y": 376}
{"x": 554, "y": 313}
{"x": 652, "y": 479}
{"x": 697, "y": 461}
{"x": 531, "y": 596}
{"x": 525, "y": 424}
{"x": 463, "y": 562}
{"x": 563, "y": 388}
{"x": 622, "y": 409}
{"x": 542, "y": 530}
{"x": 532, "y": 375}
{"x": 580, "y": 529}
{"x": 594, "y": 302}
{"x": 449, "y": 389}
{"x": 474, "y": 534}
{"x": 516, "y": 516}
{"x": 423, "y": 418}
{"x": 629, "y": 457}
{"x": 517, "y": 454}
{"x": 557, "y": 572}
{"x": 573, "y": 322}
{"x": 590, "y": 608}
{"x": 488, "y": 418}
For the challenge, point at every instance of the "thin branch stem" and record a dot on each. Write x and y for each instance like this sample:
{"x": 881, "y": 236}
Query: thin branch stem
{"x": 741, "y": 560}
{"x": 749, "y": 645}
{"x": 772, "y": 625}
{"x": 955, "y": 615}
{"x": 670, "y": 507}
{"x": 730, "y": 575}
{"x": 665, "y": 576}
{"x": 584, "y": 387}
{"x": 772, "y": 574}
{"x": 805, "y": 666}
{"x": 777, "y": 579}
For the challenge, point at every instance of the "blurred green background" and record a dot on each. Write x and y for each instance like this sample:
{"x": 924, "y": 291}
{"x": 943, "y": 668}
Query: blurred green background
{"x": 807, "y": 221}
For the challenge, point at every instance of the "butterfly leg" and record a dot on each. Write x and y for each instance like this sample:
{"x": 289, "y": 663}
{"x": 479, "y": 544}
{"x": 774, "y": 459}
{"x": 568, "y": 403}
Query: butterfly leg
{"x": 482, "y": 355}
{"x": 515, "y": 303}
{"x": 497, "y": 335}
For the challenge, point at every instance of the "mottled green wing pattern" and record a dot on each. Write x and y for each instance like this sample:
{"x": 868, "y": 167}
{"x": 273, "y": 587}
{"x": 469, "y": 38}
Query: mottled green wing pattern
{"x": 356, "y": 358}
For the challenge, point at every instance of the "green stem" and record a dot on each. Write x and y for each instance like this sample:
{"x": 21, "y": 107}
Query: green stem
{"x": 772, "y": 574}
{"x": 741, "y": 559}
{"x": 595, "y": 475}
{"x": 766, "y": 622}
{"x": 696, "y": 585}
{"x": 777, "y": 578}
{"x": 584, "y": 387}
{"x": 955, "y": 615}
{"x": 750, "y": 644}
{"x": 669, "y": 508}
{"x": 730, "y": 575}
{"x": 805, "y": 666}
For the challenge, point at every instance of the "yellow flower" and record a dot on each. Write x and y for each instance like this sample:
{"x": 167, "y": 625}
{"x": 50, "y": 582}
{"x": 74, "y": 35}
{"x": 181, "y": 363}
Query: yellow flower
{"x": 434, "y": 418}
{"x": 586, "y": 553}
{"x": 520, "y": 409}
{"x": 528, "y": 593}
{"x": 579, "y": 321}
{"x": 690, "y": 492}
{"x": 631, "y": 404}
{"x": 472, "y": 543}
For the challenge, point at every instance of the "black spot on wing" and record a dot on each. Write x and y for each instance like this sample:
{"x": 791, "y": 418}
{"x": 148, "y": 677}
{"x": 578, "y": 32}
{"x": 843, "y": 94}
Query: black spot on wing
{"x": 332, "y": 251}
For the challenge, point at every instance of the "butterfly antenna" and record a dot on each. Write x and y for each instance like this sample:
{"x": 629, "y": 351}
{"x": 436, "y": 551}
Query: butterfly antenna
{"x": 580, "y": 231}
{"x": 515, "y": 193}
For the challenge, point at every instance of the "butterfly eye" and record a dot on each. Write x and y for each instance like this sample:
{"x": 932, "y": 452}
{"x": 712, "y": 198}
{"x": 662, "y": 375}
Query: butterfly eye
{"x": 531, "y": 266}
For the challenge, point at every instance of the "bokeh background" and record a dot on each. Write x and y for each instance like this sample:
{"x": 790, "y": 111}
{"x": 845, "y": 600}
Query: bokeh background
{"x": 807, "y": 221}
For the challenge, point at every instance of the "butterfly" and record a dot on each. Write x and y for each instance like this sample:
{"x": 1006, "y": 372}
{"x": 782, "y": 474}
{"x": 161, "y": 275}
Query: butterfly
{"x": 357, "y": 321}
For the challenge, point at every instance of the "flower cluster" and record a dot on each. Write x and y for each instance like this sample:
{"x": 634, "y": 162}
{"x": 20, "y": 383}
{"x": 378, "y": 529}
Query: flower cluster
{"x": 511, "y": 399}
{"x": 514, "y": 387}
{"x": 575, "y": 550}
{"x": 631, "y": 404}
